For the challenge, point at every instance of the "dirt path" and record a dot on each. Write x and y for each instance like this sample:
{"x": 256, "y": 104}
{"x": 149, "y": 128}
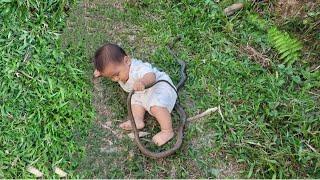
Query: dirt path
{"x": 109, "y": 152}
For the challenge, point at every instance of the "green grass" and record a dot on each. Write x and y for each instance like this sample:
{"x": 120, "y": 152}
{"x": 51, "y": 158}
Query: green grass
{"x": 270, "y": 117}
{"x": 45, "y": 92}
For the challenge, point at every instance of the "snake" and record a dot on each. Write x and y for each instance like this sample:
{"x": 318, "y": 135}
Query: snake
{"x": 177, "y": 107}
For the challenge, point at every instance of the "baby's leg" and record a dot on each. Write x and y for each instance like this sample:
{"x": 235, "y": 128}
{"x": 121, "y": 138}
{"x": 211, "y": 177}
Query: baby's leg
{"x": 138, "y": 114}
{"x": 163, "y": 116}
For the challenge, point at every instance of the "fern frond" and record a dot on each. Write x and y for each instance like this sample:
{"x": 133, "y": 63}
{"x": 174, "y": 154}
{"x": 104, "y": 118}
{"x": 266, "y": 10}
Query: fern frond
{"x": 289, "y": 48}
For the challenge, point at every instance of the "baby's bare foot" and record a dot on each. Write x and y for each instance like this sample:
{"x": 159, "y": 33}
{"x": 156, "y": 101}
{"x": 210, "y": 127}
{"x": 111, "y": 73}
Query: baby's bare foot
{"x": 162, "y": 137}
{"x": 127, "y": 125}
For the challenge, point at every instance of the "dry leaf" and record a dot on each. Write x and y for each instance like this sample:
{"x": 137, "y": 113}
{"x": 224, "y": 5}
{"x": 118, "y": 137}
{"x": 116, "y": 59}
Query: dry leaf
{"x": 131, "y": 155}
{"x": 60, "y": 172}
{"x": 108, "y": 123}
{"x": 141, "y": 134}
{"x": 233, "y": 8}
{"x": 34, "y": 171}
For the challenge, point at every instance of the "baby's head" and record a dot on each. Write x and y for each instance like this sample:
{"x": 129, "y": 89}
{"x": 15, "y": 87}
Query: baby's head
{"x": 111, "y": 61}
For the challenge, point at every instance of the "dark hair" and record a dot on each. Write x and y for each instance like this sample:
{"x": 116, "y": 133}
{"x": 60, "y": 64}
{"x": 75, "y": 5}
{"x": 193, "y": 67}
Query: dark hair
{"x": 108, "y": 53}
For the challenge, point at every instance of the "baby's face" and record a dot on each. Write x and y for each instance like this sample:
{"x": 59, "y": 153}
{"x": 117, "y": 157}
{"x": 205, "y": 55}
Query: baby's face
{"x": 116, "y": 72}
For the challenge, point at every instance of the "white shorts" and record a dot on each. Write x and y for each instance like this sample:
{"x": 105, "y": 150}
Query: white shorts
{"x": 161, "y": 94}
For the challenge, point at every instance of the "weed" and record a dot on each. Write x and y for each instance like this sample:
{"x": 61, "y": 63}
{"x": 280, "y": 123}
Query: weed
{"x": 289, "y": 48}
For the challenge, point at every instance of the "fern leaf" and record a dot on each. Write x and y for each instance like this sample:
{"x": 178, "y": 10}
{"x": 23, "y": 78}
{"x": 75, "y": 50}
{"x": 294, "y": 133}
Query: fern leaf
{"x": 285, "y": 54}
{"x": 287, "y": 47}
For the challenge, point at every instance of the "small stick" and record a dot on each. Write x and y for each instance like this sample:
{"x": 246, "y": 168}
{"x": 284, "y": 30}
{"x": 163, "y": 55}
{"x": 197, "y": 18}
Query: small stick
{"x": 205, "y": 113}
{"x": 26, "y": 56}
{"x": 315, "y": 69}
{"x": 25, "y": 74}
{"x": 310, "y": 92}
{"x": 109, "y": 128}
{"x": 312, "y": 148}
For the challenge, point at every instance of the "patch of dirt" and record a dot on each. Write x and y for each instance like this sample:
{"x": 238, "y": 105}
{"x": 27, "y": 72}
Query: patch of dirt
{"x": 230, "y": 168}
{"x": 255, "y": 56}
{"x": 222, "y": 166}
{"x": 100, "y": 98}
{"x": 285, "y": 9}
{"x": 300, "y": 18}
{"x": 291, "y": 8}
{"x": 118, "y": 5}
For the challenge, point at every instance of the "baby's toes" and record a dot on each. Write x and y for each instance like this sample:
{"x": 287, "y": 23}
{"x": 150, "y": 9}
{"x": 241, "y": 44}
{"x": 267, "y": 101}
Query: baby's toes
{"x": 126, "y": 125}
{"x": 162, "y": 138}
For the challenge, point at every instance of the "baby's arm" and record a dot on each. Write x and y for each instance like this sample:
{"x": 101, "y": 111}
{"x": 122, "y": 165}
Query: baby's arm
{"x": 146, "y": 80}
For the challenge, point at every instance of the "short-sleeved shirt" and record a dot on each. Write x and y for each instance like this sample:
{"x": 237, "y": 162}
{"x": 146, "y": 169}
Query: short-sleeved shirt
{"x": 161, "y": 94}
{"x": 137, "y": 70}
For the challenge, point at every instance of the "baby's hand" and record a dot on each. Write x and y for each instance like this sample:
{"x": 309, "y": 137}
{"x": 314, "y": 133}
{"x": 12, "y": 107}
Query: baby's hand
{"x": 138, "y": 86}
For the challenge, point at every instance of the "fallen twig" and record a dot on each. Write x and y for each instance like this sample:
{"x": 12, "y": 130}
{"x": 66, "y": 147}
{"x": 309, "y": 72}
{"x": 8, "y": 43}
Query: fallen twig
{"x": 25, "y": 74}
{"x": 28, "y": 76}
{"x": 312, "y": 148}
{"x": 315, "y": 69}
{"x": 310, "y": 92}
{"x": 26, "y": 56}
{"x": 107, "y": 126}
{"x": 205, "y": 113}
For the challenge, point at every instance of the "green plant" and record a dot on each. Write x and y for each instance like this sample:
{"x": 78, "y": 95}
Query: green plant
{"x": 256, "y": 20}
{"x": 288, "y": 47}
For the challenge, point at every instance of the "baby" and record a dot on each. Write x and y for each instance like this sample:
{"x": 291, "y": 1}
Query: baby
{"x": 112, "y": 62}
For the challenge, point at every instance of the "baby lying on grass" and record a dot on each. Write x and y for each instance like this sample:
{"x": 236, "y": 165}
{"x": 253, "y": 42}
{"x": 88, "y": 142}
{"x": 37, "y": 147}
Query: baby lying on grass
{"x": 112, "y": 62}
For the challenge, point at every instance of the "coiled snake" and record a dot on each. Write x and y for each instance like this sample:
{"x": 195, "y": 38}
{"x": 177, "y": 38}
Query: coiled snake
{"x": 178, "y": 108}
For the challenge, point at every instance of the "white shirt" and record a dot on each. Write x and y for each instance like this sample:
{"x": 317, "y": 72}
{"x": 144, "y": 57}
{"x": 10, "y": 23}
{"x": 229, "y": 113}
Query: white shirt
{"x": 137, "y": 70}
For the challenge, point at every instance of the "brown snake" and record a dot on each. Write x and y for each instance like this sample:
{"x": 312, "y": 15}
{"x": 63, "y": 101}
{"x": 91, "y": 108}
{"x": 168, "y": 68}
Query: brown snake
{"x": 178, "y": 108}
